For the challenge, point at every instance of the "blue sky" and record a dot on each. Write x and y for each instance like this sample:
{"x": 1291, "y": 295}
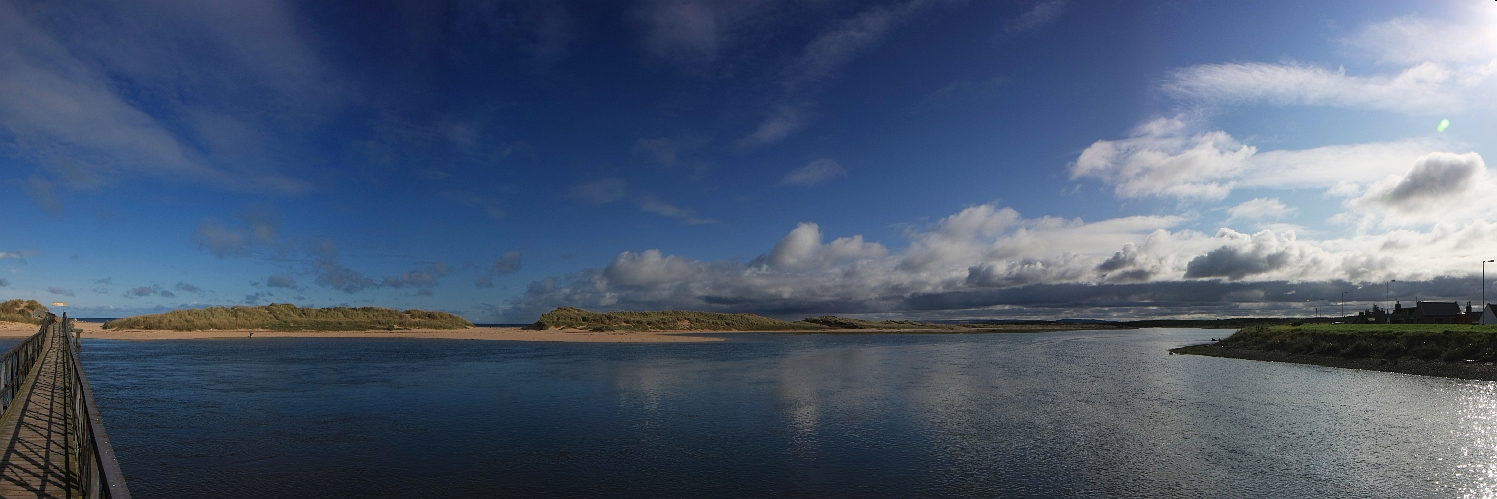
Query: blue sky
{"x": 923, "y": 159}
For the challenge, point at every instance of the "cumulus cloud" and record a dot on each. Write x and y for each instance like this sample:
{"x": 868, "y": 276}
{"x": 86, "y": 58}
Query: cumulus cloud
{"x": 1160, "y": 161}
{"x": 802, "y": 249}
{"x": 994, "y": 261}
{"x": 281, "y": 281}
{"x": 1439, "y": 186}
{"x": 423, "y": 280}
{"x": 257, "y": 227}
{"x": 801, "y": 272}
{"x": 152, "y": 290}
{"x": 815, "y": 172}
{"x": 508, "y": 263}
{"x": 1262, "y": 253}
{"x": 1259, "y": 208}
{"x": 331, "y": 274}
{"x": 1435, "y": 176}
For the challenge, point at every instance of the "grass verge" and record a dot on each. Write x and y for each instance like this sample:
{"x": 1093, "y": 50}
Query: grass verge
{"x": 1457, "y": 351}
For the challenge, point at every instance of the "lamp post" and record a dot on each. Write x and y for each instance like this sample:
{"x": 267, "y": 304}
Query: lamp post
{"x": 1343, "y": 305}
{"x": 1484, "y": 287}
{"x": 1387, "y": 297}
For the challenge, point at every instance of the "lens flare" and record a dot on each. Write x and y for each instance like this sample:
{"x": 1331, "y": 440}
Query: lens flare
{"x": 1443, "y": 125}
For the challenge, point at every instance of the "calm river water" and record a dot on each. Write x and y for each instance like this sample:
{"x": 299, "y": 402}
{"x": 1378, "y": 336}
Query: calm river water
{"x": 1076, "y": 414}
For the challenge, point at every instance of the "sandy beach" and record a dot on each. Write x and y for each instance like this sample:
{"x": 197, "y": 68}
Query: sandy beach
{"x": 93, "y": 330}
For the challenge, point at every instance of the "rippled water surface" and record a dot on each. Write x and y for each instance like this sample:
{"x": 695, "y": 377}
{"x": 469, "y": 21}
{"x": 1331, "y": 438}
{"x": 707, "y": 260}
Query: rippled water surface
{"x": 1085, "y": 414}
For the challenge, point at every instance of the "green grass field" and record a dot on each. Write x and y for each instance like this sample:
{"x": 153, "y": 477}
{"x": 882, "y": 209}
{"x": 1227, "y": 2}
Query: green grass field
{"x": 286, "y": 317}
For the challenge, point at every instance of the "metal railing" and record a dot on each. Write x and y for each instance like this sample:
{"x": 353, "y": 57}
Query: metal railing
{"x": 16, "y": 363}
{"x": 98, "y": 472}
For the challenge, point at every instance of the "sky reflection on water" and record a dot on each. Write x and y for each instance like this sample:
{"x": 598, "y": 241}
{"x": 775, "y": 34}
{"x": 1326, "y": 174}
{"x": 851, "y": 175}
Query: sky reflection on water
{"x": 1080, "y": 414}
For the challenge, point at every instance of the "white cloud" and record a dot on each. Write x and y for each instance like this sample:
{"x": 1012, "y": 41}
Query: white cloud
{"x": 1440, "y": 186}
{"x": 1157, "y": 161}
{"x": 1422, "y": 89}
{"x": 651, "y": 204}
{"x": 693, "y": 32}
{"x": 815, "y": 172}
{"x": 785, "y": 120}
{"x": 822, "y": 58}
{"x": 1445, "y": 67}
{"x": 1036, "y": 17}
{"x": 60, "y": 106}
{"x": 1410, "y": 40}
{"x": 1164, "y": 158}
{"x": 1259, "y": 208}
{"x": 802, "y": 249}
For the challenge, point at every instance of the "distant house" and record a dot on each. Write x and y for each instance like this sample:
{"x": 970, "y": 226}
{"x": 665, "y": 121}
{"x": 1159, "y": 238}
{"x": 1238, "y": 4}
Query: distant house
{"x": 1436, "y": 312}
{"x": 1488, "y": 316}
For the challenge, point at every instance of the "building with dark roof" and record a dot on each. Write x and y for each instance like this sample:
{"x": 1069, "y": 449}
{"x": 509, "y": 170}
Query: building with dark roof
{"x": 1437, "y": 312}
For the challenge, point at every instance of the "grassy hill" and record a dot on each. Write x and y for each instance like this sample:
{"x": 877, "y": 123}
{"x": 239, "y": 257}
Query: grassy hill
{"x": 20, "y": 311}
{"x": 287, "y": 317}
{"x": 669, "y": 320}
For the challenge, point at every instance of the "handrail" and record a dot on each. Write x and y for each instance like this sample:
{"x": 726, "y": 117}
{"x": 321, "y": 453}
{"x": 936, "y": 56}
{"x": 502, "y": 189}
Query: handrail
{"x": 16, "y": 364}
{"x": 99, "y": 473}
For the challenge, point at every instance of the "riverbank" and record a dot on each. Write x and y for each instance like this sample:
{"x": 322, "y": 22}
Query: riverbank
{"x": 1452, "y": 351}
{"x": 93, "y": 330}
{"x": 1485, "y": 371}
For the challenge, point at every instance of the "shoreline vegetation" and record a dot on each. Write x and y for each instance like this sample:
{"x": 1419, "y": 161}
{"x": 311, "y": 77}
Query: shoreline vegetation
{"x": 287, "y": 317}
{"x": 569, "y": 318}
{"x": 1447, "y": 350}
{"x": 21, "y": 311}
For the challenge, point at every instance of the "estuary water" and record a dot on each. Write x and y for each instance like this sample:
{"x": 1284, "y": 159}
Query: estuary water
{"x": 1072, "y": 414}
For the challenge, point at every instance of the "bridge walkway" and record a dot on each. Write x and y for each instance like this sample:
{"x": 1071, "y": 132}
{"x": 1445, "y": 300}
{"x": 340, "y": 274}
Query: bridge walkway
{"x": 37, "y": 460}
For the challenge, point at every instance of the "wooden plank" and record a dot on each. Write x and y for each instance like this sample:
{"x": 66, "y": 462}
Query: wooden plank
{"x": 35, "y": 459}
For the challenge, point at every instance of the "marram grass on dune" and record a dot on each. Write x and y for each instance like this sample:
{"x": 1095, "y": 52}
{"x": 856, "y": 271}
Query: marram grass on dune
{"x": 287, "y": 317}
{"x": 21, "y": 311}
{"x": 668, "y": 320}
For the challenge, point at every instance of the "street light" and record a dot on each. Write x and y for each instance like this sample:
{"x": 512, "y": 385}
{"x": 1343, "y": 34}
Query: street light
{"x": 1343, "y": 304}
{"x": 1387, "y": 297}
{"x": 1484, "y": 287}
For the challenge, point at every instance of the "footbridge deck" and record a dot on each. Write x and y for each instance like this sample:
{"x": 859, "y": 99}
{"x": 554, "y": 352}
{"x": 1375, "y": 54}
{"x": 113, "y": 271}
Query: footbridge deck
{"x": 52, "y": 441}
